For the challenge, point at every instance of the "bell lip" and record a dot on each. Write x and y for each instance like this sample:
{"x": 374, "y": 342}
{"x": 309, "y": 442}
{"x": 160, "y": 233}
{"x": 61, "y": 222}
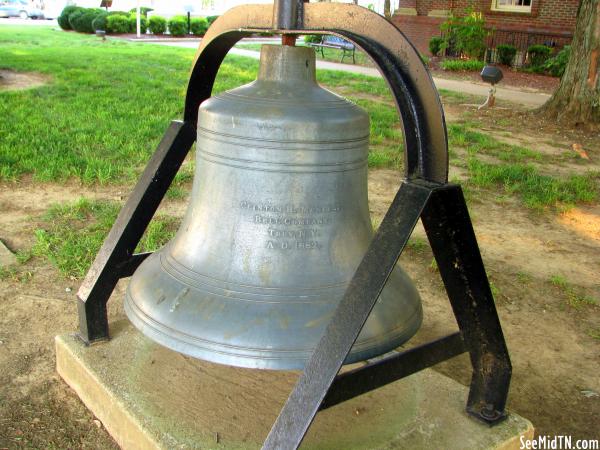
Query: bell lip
{"x": 262, "y": 361}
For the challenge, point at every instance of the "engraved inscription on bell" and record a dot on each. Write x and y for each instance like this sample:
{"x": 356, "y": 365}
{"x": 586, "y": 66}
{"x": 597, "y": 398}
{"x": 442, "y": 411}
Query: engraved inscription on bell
{"x": 277, "y": 223}
{"x": 288, "y": 225}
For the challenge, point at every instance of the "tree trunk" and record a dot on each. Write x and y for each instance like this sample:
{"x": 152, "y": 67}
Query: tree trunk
{"x": 387, "y": 9}
{"x": 577, "y": 99}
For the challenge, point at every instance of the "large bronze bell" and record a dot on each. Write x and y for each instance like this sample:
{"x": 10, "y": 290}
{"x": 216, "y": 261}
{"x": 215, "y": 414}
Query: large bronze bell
{"x": 277, "y": 224}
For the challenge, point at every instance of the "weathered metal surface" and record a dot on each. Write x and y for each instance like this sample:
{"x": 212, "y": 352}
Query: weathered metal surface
{"x": 277, "y": 224}
{"x": 287, "y": 14}
{"x": 450, "y": 233}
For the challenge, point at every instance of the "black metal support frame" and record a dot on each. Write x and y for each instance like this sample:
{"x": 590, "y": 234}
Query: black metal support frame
{"x": 424, "y": 194}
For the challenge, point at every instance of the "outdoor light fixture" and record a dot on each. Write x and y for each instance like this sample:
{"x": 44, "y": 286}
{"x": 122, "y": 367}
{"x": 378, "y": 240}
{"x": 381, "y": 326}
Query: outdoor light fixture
{"x": 492, "y": 75}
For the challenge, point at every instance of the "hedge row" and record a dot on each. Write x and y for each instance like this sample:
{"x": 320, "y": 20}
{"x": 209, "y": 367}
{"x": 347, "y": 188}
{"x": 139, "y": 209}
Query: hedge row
{"x": 89, "y": 20}
{"x": 178, "y": 26}
{"x": 540, "y": 58}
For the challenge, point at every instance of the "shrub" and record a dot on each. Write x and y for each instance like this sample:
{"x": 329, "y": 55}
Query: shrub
{"x": 211, "y": 19}
{"x": 556, "y": 65}
{"x": 63, "y": 19}
{"x": 312, "y": 38}
{"x": 506, "y": 54}
{"x": 144, "y": 10}
{"x": 82, "y": 20}
{"x": 99, "y": 22}
{"x": 117, "y": 23}
{"x": 74, "y": 17}
{"x": 435, "y": 45}
{"x": 178, "y": 26}
{"x": 133, "y": 23}
{"x": 157, "y": 25}
{"x": 459, "y": 65}
{"x": 198, "y": 26}
{"x": 63, "y": 22}
{"x": 538, "y": 54}
{"x": 467, "y": 34}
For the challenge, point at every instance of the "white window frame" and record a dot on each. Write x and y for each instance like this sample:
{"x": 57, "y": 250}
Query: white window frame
{"x": 511, "y": 8}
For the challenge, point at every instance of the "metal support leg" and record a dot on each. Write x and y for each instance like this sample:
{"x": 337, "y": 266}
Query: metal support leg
{"x": 445, "y": 217}
{"x": 450, "y": 232}
{"x": 392, "y": 368}
{"x": 360, "y": 297}
{"x": 115, "y": 259}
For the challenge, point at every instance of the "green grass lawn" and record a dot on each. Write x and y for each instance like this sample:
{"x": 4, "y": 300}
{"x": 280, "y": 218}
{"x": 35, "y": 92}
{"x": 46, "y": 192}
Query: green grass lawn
{"x": 104, "y": 111}
{"x": 107, "y": 104}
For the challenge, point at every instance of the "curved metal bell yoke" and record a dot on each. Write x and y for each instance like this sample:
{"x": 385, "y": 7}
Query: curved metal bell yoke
{"x": 279, "y": 215}
{"x": 415, "y": 95}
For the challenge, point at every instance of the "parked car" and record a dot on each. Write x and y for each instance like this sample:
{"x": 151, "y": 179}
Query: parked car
{"x": 19, "y": 8}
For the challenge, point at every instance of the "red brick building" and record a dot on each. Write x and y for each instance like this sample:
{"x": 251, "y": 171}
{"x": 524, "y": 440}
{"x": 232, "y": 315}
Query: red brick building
{"x": 518, "y": 22}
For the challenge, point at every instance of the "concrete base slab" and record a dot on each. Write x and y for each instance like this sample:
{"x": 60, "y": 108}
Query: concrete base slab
{"x": 150, "y": 397}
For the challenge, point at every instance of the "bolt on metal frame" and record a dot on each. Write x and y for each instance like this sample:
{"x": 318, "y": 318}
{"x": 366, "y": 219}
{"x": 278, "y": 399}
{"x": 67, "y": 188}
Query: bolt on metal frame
{"x": 425, "y": 193}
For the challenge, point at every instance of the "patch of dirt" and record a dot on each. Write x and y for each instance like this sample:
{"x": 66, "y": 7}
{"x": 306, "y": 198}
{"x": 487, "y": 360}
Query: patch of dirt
{"x": 527, "y": 129}
{"x": 14, "y": 81}
{"x": 22, "y": 204}
{"x": 36, "y": 410}
{"x": 529, "y": 141}
{"x": 520, "y": 122}
{"x": 583, "y": 221}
